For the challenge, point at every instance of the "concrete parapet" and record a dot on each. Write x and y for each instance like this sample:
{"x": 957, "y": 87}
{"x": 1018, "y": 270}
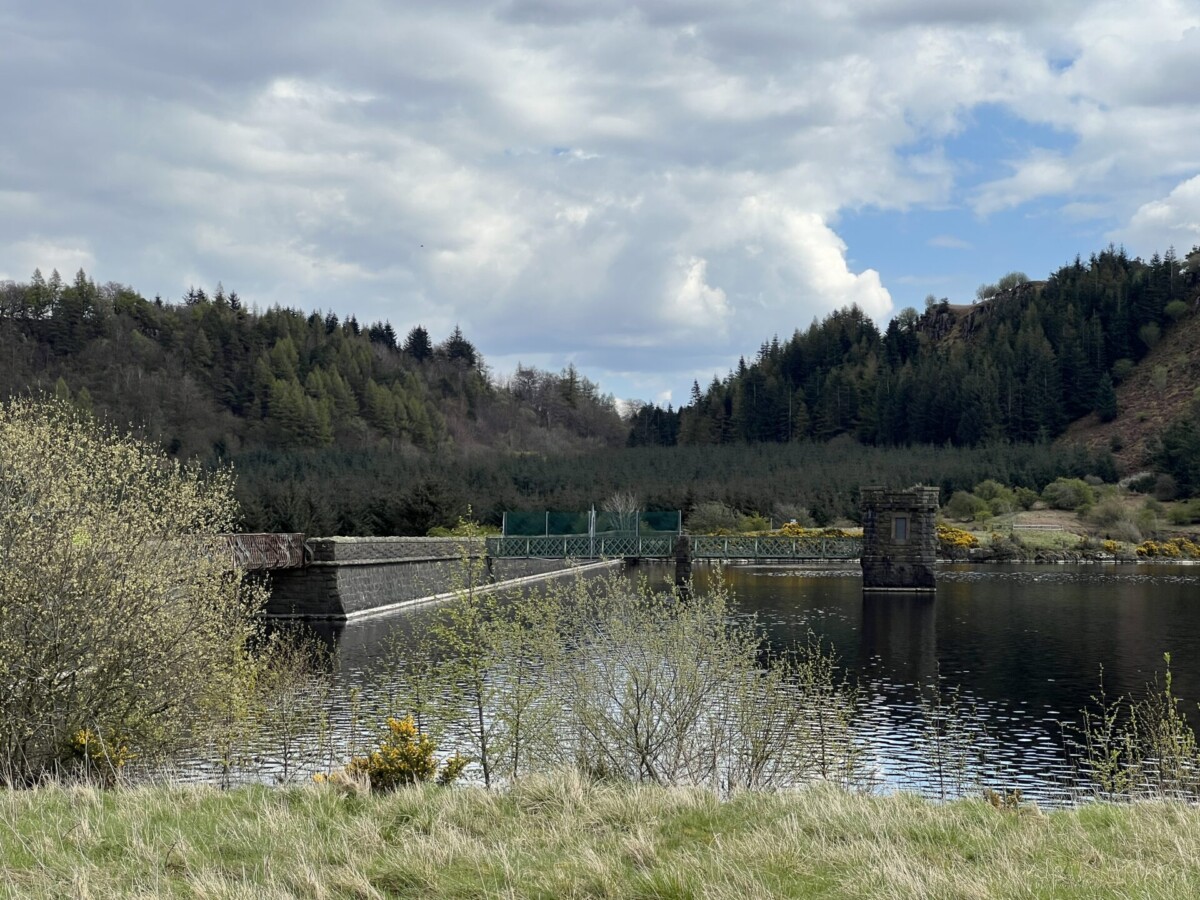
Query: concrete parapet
{"x": 378, "y": 549}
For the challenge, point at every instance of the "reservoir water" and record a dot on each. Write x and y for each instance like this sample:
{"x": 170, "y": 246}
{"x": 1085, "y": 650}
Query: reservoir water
{"x": 1019, "y": 649}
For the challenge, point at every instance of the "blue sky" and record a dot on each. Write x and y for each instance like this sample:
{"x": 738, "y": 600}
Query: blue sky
{"x": 948, "y": 249}
{"x": 648, "y": 191}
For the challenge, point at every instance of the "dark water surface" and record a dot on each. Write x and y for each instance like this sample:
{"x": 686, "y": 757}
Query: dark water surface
{"x": 1023, "y": 645}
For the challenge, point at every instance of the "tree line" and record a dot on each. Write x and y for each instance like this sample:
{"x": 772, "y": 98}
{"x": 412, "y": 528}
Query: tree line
{"x": 1019, "y": 365}
{"x": 338, "y": 428}
{"x": 372, "y": 491}
{"x": 210, "y": 378}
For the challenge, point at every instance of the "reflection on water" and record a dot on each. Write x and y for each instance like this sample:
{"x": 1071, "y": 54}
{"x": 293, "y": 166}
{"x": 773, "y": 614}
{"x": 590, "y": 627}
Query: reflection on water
{"x": 1022, "y": 646}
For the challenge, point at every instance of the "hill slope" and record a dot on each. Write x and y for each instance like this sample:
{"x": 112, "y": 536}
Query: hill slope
{"x": 1019, "y": 366}
{"x": 1159, "y": 391}
{"x": 210, "y": 378}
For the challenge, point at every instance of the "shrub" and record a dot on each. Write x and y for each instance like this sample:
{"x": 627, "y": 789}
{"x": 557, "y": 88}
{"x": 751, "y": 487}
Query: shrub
{"x": 640, "y": 686}
{"x": 712, "y": 517}
{"x": 1000, "y": 499}
{"x": 793, "y": 512}
{"x": 1026, "y": 497}
{"x": 405, "y": 756}
{"x": 1166, "y": 488}
{"x": 1129, "y": 530}
{"x": 1011, "y": 280}
{"x": 1005, "y": 546}
{"x": 1140, "y": 748}
{"x": 965, "y": 507}
{"x": 1069, "y": 493}
{"x": 1107, "y": 513}
{"x": 1176, "y": 310}
{"x": 1150, "y": 334}
{"x": 954, "y": 543}
{"x": 753, "y": 522}
{"x": 1175, "y": 548}
{"x": 1143, "y": 483}
{"x": 1184, "y": 513}
{"x": 121, "y": 617}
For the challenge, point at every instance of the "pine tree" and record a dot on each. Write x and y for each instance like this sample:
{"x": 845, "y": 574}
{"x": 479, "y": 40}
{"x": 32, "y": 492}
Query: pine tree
{"x": 1106, "y": 399}
{"x": 417, "y": 344}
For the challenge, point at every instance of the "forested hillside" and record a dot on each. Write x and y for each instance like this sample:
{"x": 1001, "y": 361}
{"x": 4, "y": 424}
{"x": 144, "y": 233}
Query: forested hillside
{"x": 375, "y": 492}
{"x": 334, "y": 427}
{"x": 1019, "y": 364}
{"x": 210, "y": 378}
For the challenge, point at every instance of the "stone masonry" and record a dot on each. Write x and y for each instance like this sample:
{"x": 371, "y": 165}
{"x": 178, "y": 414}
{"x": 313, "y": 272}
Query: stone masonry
{"x": 899, "y": 538}
{"x": 347, "y": 577}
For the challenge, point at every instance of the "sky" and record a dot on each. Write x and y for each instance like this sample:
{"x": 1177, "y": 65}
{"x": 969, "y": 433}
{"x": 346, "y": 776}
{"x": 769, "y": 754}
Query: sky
{"x": 648, "y": 191}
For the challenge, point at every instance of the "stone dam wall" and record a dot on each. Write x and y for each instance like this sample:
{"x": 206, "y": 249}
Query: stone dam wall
{"x": 347, "y": 578}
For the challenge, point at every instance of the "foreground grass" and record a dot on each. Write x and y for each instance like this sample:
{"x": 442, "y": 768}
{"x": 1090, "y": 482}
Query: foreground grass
{"x": 565, "y": 837}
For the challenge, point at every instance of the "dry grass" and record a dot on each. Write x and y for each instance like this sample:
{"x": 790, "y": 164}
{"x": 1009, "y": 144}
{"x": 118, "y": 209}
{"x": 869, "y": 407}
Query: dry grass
{"x": 562, "y": 836}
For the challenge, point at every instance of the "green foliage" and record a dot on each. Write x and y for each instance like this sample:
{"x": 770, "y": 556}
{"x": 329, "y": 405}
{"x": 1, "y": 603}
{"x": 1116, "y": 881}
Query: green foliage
{"x": 1106, "y": 399}
{"x": 336, "y": 491}
{"x": 1187, "y": 513}
{"x": 966, "y": 507}
{"x": 209, "y": 378}
{"x": 1178, "y": 458}
{"x": 628, "y": 682}
{"x": 1069, "y": 493}
{"x": 712, "y": 517}
{"x": 1176, "y": 310}
{"x": 1026, "y": 497}
{"x": 1011, "y": 280}
{"x": 466, "y": 527}
{"x": 1140, "y": 748}
{"x": 1038, "y": 360}
{"x": 121, "y": 618}
{"x": 753, "y": 522}
{"x": 1000, "y": 499}
{"x": 1122, "y": 369}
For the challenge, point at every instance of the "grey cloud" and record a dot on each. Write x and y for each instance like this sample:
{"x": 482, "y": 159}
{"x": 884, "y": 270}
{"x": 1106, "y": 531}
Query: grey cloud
{"x": 303, "y": 153}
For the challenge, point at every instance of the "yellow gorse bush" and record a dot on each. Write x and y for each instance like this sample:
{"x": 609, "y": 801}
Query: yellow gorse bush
{"x": 951, "y": 538}
{"x": 98, "y": 757}
{"x": 405, "y": 756}
{"x": 119, "y": 615}
{"x": 792, "y": 529}
{"x": 1174, "y": 548}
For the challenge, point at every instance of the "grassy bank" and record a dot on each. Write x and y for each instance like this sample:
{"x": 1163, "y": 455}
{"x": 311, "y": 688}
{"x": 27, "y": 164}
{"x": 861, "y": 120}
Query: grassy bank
{"x": 565, "y": 837}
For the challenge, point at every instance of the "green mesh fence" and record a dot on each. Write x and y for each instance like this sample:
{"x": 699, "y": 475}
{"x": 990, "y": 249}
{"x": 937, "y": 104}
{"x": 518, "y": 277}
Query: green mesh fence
{"x": 535, "y": 524}
{"x": 661, "y": 522}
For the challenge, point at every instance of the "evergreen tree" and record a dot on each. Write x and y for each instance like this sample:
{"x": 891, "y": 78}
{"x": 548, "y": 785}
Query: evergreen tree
{"x": 458, "y": 349}
{"x": 1106, "y": 399}
{"x": 417, "y": 344}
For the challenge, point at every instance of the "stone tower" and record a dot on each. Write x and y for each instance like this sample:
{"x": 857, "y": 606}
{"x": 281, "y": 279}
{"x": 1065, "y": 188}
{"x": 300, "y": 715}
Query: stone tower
{"x": 899, "y": 538}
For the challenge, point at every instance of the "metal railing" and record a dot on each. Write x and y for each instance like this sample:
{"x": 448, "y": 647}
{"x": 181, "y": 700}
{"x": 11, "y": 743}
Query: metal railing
{"x": 663, "y": 546}
{"x": 266, "y": 550}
